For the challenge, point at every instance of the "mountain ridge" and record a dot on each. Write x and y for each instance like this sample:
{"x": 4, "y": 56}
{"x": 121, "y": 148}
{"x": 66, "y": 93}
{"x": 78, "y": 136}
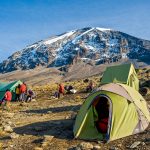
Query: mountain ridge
{"x": 92, "y": 45}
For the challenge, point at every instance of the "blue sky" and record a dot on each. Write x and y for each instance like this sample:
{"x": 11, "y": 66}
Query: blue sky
{"x": 23, "y": 22}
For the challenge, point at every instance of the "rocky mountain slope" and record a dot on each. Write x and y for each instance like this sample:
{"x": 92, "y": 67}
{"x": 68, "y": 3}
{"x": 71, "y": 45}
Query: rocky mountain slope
{"x": 89, "y": 45}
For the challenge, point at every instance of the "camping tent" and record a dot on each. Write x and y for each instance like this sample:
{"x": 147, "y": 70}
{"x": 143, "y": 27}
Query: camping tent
{"x": 8, "y": 85}
{"x": 128, "y": 113}
{"x": 124, "y": 73}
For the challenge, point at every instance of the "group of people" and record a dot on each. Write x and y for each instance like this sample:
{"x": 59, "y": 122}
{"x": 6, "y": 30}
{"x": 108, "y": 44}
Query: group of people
{"x": 22, "y": 94}
{"x": 25, "y": 95}
{"x": 21, "y": 91}
{"x": 64, "y": 89}
{"x": 69, "y": 89}
{"x": 60, "y": 91}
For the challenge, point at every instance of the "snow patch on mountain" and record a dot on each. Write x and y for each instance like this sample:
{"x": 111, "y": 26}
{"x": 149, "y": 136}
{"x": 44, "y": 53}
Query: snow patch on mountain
{"x": 103, "y": 29}
{"x": 78, "y": 37}
{"x": 58, "y": 38}
{"x": 94, "y": 45}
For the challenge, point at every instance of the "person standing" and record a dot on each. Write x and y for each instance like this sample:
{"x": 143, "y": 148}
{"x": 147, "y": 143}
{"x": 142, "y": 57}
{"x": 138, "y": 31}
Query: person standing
{"x": 61, "y": 89}
{"x": 23, "y": 91}
{"x": 17, "y": 92}
{"x": 6, "y": 100}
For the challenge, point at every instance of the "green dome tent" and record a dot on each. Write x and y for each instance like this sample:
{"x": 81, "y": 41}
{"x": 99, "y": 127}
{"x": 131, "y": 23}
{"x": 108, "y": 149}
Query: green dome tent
{"x": 9, "y": 85}
{"x": 128, "y": 113}
{"x": 124, "y": 73}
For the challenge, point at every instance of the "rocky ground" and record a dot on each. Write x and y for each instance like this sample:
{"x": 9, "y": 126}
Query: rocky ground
{"x": 47, "y": 124}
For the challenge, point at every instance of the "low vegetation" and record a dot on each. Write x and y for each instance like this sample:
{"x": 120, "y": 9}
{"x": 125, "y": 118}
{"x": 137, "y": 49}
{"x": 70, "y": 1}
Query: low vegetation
{"x": 47, "y": 123}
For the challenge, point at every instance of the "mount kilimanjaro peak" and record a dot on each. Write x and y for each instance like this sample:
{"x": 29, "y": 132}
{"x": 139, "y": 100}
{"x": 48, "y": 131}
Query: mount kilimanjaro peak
{"x": 94, "y": 45}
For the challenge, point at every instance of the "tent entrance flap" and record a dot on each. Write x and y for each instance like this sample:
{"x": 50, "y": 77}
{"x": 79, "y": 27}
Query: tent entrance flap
{"x": 102, "y": 106}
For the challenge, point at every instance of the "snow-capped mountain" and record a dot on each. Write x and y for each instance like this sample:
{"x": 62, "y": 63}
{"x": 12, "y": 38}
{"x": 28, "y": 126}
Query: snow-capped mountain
{"x": 94, "y": 45}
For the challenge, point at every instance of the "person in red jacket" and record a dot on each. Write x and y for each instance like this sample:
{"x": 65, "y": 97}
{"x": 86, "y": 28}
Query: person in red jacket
{"x": 23, "y": 91}
{"x": 61, "y": 89}
{"x": 6, "y": 100}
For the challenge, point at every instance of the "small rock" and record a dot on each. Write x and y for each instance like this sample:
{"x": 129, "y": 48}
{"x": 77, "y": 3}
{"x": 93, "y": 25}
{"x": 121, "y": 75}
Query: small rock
{"x": 113, "y": 148}
{"x": 10, "y": 115}
{"x": 14, "y": 135}
{"x": 135, "y": 144}
{"x": 33, "y": 100}
{"x": 2, "y": 133}
{"x": 48, "y": 138}
{"x": 99, "y": 142}
{"x": 11, "y": 146}
{"x": 38, "y": 148}
{"x": 85, "y": 146}
{"x": 45, "y": 143}
{"x": 9, "y": 122}
{"x": 67, "y": 117}
{"x": 147, "y": 140}
{"x": 96, "y": 147}
{"x": 77, "y": 148}
{"x": 7, "y": 128}
{"x": 119, "y": 145}
{"x": 49, "y": 112}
